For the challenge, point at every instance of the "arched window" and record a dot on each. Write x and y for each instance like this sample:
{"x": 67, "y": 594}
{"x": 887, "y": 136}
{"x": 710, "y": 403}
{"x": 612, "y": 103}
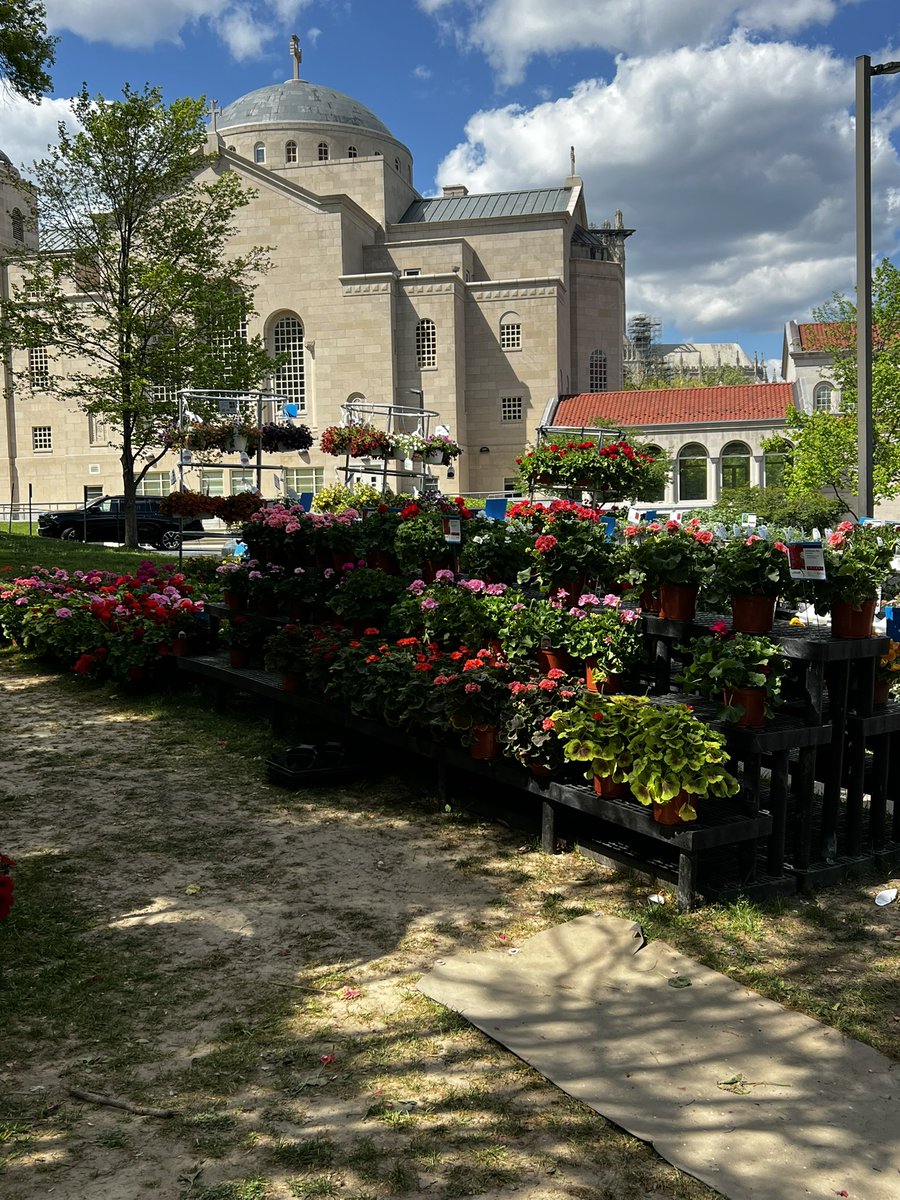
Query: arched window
{"x": 426, "y": 343}
{"x": 323, "y": 152}
{"x": 290, "y": 378}
{"x": 18, "y": 225}
{"x": 660, "y": 494}
{"x": 822, "y": 396}
{"x": 735, "y": 466}
{"x": 597, "y": 376}
{"x": 397, "y": 165}
{"x": 692, "y": 460}
{"x": 259, "y": 153}
{"x": 773, "y": 468}
{"x": 352, "y": 152}
{"x": 290, "y": 152}
{"x": 511, "y": 331}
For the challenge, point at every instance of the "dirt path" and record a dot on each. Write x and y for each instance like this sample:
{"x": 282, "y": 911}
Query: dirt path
{"x": 190, "y": 938}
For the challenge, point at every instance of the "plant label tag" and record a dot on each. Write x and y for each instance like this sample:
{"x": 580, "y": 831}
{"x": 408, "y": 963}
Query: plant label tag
{"x": 806, "y": 560}
{"x": 633, "y": 516}
{"x": 452, "y": 530}
{"x": 187, "y": 457}
{"x": 748, "y": 520}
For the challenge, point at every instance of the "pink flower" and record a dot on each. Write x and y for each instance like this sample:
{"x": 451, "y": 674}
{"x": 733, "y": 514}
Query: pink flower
{"x": 428, "y": 604}
{"x": 610, "y": 600}
{"x": 836, "y": 540}
{"x": 495, "y": 589}
{"x": 588, "y": 598}
{"x": 632, "y": 530}
{"x": 548, "y": 685}
{"x": 780, "y": 546}
{"x": 719, "y": 627}
{"x": 654, "y": 527}
{"x": 555, "y": 673}
{"x": 545, "y": 543}
{"x": 754, "y": 537}
{"x": 444, "y": 576}
{"x": 472, "y": 688}
{"x": 704, "y": 536}
{"x": 672, "y": 526}
{"x": 417, "y": 587}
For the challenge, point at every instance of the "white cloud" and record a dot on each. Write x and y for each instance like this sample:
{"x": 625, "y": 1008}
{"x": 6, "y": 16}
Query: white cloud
{"x": 422, "y": 72}
{"x": 135, "y": 24}
{"x": 313, "y": 35}
{"x": 733, "y": 163}
{"x": 510, "y": 32}
{"x": 28, "y": 129}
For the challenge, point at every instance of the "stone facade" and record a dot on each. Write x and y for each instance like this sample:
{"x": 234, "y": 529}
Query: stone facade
{"x": 361, "y": 265}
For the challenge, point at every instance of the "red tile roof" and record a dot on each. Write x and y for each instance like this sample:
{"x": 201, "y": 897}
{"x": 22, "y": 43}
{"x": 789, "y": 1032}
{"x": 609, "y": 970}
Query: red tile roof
{"x": 673, "y": 406}
{"x": 818, "y": 335}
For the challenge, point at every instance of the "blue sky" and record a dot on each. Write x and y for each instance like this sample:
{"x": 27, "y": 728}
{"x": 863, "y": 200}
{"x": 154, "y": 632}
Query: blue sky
{"x": 722, "y": 128}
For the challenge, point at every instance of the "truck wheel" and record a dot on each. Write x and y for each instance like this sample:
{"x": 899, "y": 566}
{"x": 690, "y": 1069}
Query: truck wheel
{"x": 71, "y": 533}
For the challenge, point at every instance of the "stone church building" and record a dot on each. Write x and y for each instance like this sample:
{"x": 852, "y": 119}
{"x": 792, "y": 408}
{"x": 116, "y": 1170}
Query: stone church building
{"x": 488, "y": 305}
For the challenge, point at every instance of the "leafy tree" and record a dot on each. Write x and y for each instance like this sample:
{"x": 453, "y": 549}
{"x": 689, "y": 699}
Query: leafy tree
{"x": 137, "y": 293}
{"x": 26, "y": 49}
{"x": 656, "y": 374}
{"x": 825, "y": 450}
{"x": 775, "y": 507}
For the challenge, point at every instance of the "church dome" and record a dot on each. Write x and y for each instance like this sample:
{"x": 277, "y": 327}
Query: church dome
{"x": 297, "y": 101}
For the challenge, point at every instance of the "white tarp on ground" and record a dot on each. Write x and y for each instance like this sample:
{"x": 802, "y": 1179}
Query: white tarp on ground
{"x": 759, "y": 1102}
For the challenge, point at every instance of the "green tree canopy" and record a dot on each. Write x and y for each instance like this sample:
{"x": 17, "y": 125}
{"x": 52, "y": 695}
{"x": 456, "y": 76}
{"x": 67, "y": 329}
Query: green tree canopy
{"x": 135, "y": 290}
{"x": 825, "y": 454}
{"x": 26, "y": 49}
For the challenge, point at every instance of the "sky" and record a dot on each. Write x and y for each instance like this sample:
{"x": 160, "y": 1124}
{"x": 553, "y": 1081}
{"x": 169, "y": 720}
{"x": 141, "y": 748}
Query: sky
{"x": 723, "y": 129}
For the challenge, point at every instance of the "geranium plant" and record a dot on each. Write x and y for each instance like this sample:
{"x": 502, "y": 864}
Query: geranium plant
{"x": 678, "y": 758}
{"x": 357, "y": 441}
{"x": 189, "y": 504}
{"x": 276, "y": 436}
{"x": 857, "y": 563}
{"x": 474, "y": 695}
{"x": 674, "y": 553}
{"x": 616, "y": 470}
{"x": 606, "y": 632}
{"x": 751, "y": 566}
{"x": 365, "y": 594}
{"x": 721, "y": 661}
{"x": 601, "y": 730}
{"x": 528, "y": 733}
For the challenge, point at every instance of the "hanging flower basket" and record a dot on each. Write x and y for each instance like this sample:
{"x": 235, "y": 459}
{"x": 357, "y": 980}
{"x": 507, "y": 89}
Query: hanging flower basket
{"x": 615, "y": 471}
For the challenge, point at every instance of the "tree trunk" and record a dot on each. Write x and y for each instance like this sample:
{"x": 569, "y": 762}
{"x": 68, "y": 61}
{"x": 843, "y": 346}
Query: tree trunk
{"x": 129, "y": 488}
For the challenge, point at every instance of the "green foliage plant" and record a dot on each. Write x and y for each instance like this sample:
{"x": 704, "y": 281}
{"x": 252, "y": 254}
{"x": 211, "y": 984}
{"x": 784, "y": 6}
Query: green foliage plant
{"x": 672, "y": 553}
{"x": 751, "y": 565}
{"x": 676, "y": 755}
{"x": 601, "y": 730}
{"x": 606, "y": 631}
{"x": 366, "y": 594}
{"x": 720, "y": 661}
{"x": 857, "y": 562}
{"x": 528, "y": 734}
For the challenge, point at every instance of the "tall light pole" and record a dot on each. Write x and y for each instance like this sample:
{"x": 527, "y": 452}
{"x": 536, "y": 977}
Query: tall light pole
{"x": 864, "y": 72}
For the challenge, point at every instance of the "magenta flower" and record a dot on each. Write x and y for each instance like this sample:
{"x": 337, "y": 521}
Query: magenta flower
{"x": 428, "y": 604}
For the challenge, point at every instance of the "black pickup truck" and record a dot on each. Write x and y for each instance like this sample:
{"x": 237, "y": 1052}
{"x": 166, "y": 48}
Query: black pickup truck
{"x": 103, "y": 520}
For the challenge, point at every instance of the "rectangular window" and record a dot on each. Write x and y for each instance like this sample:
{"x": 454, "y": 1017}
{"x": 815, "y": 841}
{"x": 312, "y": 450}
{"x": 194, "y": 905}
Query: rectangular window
{"x": 242, "y": 481}
{"x": 304, "y": 479}
{"x": 97, "y": 435}
{"x": 412, "y": 271}
{"x": 154, "y": 483}
{"x": 426, "y": 344}
{"x": 510, "y": 408}
{"x": 511, "y": 336}
{"x": 92, "y": 492}
{"x": 511, "y": 486}
{"x": 38, "y": 367}
{"x": 41, "y": 438}
{"x": 212, "y": 483}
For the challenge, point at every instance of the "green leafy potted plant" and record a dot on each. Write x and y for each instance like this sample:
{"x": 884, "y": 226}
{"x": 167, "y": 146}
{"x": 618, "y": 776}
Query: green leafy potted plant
{"x": 677, "y": 759}
{"x": 857, "y": 563}
{"x": 287, "y": 652}
{"x": 606, "y": 636}
{"x": 281, "y": 436}
{"x": 527, "y": 734}
{"x": 366, "y": 596}
{"x": 601, "y": 730}
{"x": 535, "y": 629}
{"x": 674, "y": 558}
{"x": 474, "y": 699}
{"x": 419, "y": 543}
{"x": 496, "y": 551}
{"x": 743, "y": 672}
{"x": 751, "y": 572}
{"x": 243, "y": 635}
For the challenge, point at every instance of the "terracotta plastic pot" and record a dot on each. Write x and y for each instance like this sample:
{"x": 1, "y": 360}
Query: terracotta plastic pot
{"x": 238, "y": 657}
{"x": 678, "y": 601}
{"x": 610, "y": 789}
{"x": 553, "y": 660}
{"x": 668, "y": 814}
{"x": 291, "y": 681}
{"x": 485, "y": 745}
{"x": 752, "y": 701}
{"x": 852, "y": 620}
{"x": 753, "y": 614}
{"x": 881, "y": 692}
{"x": 599, "y": 681}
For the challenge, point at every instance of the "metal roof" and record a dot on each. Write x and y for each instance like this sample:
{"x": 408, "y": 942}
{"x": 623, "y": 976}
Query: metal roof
{"x": 297, "y": 100}
{"x": 488, "y": 204}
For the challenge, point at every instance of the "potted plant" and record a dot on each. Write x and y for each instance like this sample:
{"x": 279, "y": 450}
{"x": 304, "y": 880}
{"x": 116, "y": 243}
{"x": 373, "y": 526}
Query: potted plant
{"x": 677, "y": 759}
{"x": 743, "y": 672}
{"x": 419, "y": 542}
{"x": 857, "y": 563}
{"x": 535, "y": 629}
{"x": 887, "y": 673}
{"x": 356, "y": 441}
{"x": 408, "y": 446}
{"x": 674, "y": 558}
{"x": 376, "y": 537}
{"x": 527, "y": 734}
{"x": 239, "y": 508}
{"x": 606, "y": 636}
{"x": 287, "y": 653}
{"x": 244, "y": 636}
{"x": 496, "y": 551}
{"x": 281, "y": 436}
{"x": 365, "y": 596}
{"x": 752, "y": 572}
{"x": 573, "y": 550}
{"x": 617, "y": 470}
{"x": 601, "y": 730}
{"x": 190, "y": 505}
{"x": 474, "y": 699}
{"x": 440, "y": 449}
{"x": 448, "y": 611}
